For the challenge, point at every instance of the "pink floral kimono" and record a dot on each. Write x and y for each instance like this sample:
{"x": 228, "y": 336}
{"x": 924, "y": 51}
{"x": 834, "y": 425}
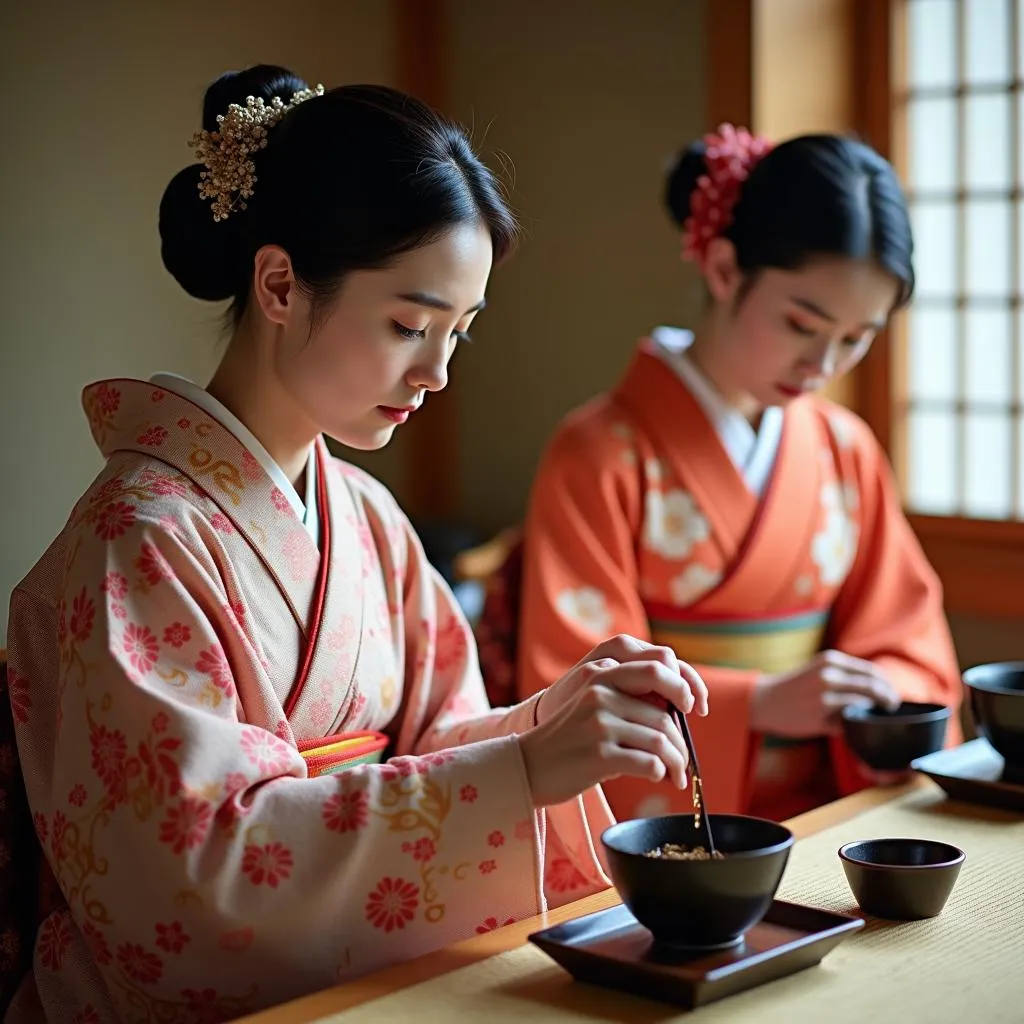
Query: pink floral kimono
{"x": 172, "y": 657}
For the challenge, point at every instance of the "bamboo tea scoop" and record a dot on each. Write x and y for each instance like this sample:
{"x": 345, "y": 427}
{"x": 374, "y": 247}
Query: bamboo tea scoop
{"x": 700, "y": 815}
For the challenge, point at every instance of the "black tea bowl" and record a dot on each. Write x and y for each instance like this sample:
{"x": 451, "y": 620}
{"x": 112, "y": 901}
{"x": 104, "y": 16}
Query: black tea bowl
{"x": 901, "y": 879}
{"x": 889, "y": 740}
{"x": 997, "y": 706}
{"x": 698, "y": 904}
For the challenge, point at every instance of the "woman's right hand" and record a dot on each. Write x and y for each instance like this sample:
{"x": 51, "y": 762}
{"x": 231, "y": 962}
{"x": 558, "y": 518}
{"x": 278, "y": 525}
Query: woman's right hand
{"x": 807, "y": 702}
{"x": 603, "y": 720}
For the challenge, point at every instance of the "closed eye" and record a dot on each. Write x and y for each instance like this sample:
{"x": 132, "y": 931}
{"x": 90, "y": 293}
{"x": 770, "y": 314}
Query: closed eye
{"x": 409, "y": 333}
{"x": 415, "y": 334}
{"x": 860, "y": 339}
{"x": 801, "y": 329}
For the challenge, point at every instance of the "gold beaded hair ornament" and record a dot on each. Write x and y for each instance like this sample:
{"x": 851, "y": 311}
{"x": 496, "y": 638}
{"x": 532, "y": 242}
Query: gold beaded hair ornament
{"x": 227, "y": 152}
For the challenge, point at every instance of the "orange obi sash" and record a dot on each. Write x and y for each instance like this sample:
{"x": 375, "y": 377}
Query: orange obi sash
{"x": 327, "y": 755}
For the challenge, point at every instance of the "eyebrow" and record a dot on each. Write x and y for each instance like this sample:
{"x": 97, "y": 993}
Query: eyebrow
{"x": 434, "y": 302}
{"x": 814, "y": 308}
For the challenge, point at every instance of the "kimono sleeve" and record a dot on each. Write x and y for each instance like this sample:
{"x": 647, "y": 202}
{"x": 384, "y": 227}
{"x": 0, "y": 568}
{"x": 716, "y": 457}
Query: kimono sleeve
{"x": 195, "y": 854}
{"x": 448, "y": 694}
{"x": 889, "y": 610}
{"x": 580, "y": 578}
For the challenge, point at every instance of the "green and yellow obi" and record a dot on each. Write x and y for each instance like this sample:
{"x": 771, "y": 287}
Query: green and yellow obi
{"x": 770, "y": 644}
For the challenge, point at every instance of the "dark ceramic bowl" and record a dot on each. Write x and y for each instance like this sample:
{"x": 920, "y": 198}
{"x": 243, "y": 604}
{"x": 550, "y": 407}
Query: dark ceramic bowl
{"x": 901, "y": 879}
{"x": 997, "y": 706}
{"x": 889, "y": 740}
{"x": 706, "y": 904}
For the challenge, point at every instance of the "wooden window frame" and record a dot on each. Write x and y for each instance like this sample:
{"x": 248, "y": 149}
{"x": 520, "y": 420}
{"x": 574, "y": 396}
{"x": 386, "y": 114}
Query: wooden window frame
{"x": 980, "y": 562}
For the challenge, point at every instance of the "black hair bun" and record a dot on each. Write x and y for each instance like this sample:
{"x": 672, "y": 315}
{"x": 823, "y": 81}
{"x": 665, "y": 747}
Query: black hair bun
{"x": 207, "y": 257}
{"x": 682, "y": 180}
{"x": 202, "y": 255}
{"x": 262, "y": 81}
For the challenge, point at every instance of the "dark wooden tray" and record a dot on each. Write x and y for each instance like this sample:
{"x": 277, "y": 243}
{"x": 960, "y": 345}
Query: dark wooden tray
{"x": 974, "y": 773}
{"x": 612, "y": 949}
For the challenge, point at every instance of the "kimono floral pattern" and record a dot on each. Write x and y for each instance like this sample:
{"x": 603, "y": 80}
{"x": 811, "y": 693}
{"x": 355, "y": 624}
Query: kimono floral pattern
{"x": 153, "y": 652}
{"x": 834, "y": 546}
{"x": 843, "y": 430}
{"x": 586, "y": 607}
{"x": 692, "y": 583}
{"x": 673, "y": 523}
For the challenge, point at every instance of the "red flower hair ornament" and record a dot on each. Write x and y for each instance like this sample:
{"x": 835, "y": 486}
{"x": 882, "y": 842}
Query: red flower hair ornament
{"x": 730, "y": 154}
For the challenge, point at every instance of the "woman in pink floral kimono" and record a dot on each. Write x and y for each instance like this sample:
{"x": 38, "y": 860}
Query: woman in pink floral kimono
{"x": 254, "y": 740}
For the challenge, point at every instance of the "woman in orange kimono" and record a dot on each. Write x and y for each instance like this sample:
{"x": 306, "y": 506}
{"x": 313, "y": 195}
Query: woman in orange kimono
{"x": 714, "y": 501}
{"x": 255, "y": 744}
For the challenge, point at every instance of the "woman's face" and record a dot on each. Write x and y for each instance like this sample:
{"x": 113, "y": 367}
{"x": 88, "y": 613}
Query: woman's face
{"x": 386, "y": 338}
{"x": 791, "y": 332}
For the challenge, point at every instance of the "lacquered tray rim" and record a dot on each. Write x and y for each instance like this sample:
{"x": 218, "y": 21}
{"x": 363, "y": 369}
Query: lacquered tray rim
{"x": 932, "y": 766}
{"x": 842, "y": 925}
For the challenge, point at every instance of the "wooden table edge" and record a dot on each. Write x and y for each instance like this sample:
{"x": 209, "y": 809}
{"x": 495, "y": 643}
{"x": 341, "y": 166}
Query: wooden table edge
{"x": 309, "y": 1009}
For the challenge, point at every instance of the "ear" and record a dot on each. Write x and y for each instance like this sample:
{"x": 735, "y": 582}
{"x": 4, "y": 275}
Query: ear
{"x": 274, "y": 285}
{"x": 721, "y": 271}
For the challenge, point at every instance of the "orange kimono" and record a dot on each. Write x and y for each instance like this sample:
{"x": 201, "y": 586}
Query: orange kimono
{"x": 640, "y": 523}
{"x": 184, "y": 662}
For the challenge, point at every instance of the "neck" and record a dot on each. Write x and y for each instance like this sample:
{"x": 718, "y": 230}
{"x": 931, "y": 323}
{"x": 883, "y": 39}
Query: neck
{"x": 246, "y": 384}
{"x": 706, "y": 354}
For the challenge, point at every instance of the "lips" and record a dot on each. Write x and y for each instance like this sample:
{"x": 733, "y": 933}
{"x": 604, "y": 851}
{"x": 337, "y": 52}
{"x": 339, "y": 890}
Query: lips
{"x": 789, "y": 392}
{"x": 397, "y": 414}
